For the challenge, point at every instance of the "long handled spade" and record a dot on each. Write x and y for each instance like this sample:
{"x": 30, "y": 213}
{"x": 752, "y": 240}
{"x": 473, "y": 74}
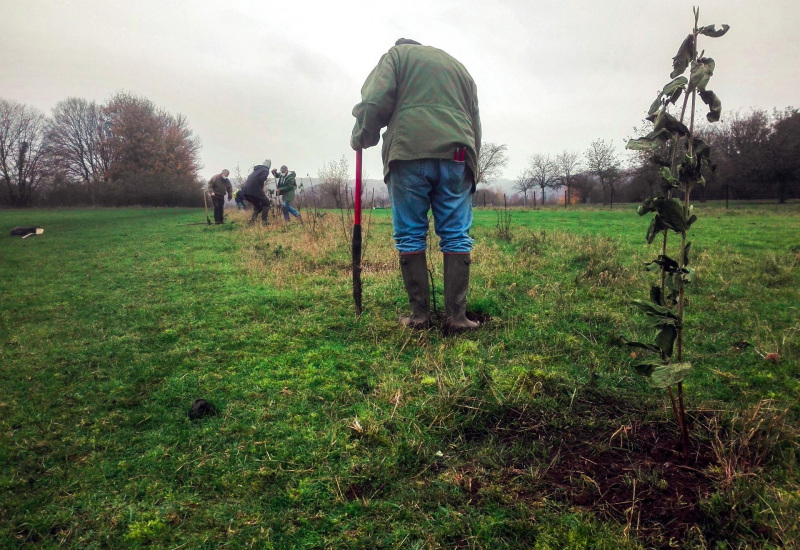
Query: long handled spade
{"x": 357, "y": 237}
{"x": 205, "y": 201}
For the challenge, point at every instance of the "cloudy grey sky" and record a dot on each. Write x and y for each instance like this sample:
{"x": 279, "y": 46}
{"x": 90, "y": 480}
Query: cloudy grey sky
{"x": 272, "y": 79}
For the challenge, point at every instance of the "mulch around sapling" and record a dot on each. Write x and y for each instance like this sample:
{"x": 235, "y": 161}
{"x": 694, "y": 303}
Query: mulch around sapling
{"x": 603, "y": 458}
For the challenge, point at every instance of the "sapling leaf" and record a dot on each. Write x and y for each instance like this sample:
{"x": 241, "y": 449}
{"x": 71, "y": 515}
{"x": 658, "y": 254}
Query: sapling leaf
{"x": 655, "y": 295}
{"x": 650, "y": 141}
{"x": 653, "y": 309}
{"x": 654, "y": 107}
{"x": 664, "y": 376}
{"x": 656, "y": 227}
{"x": 672, "y": 90}
{"x": 667, "y": 176}
{"x": 702, "y": 70}
{"x": 700, "y": 148}
{"x": 646, "y": 207}
{"x": 714, "y": 105}
{"x": 686, "y": 250}
{"x": 712, "y": 32}
{"x": 666, "y": 339}
{"x": 646, "y": 368}
{"x": 666, "y": 121}
{"x": 643, "y": 345}
{"x": 683, "y": 57}
{"x": 671, "y": 212}
{"x": 691, "y": 220}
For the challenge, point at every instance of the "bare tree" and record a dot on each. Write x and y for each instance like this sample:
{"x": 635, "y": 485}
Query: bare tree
{"x": 523, "y": 184}
{"x": 543, "y": 172}
{"x": 334, "y": 178}
{"x": 567, "y": 165}
{"x": 24, "y": 151}
{"x": 602, "y": 162}
{"x": 491, "y": 161}
{"x": 79, "y": 135}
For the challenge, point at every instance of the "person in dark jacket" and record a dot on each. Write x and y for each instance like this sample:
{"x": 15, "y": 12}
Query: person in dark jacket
{"x": 428, "y": 103}
{"x": 254, "y": 191}
{"x": 286, "y": 183}
{"x": 238, "y": 197}
{"x": 217, "y": 187}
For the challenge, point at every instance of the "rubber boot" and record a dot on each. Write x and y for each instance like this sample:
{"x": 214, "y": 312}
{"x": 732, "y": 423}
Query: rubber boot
{"x": 415, "y": 278}
{"x": 456, "y": 283}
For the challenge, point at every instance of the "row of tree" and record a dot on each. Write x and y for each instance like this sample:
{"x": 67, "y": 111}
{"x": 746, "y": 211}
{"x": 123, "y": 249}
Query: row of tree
{"x": 126, "y": 151}
{"x": 757, "y": 157}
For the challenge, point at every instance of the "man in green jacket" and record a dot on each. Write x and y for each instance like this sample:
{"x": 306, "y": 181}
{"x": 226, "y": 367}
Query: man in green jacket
{"x": 429, "y": 104}
{"x": 217, "y": 187}
{"x": 286, "y": 183}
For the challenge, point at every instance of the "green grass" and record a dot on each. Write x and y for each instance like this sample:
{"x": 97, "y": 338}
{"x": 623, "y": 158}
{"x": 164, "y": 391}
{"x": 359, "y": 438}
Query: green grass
{"x": 336, "y": 432}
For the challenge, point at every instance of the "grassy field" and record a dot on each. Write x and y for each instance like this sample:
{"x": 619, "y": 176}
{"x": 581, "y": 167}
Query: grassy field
{"x": 337, "y": 432}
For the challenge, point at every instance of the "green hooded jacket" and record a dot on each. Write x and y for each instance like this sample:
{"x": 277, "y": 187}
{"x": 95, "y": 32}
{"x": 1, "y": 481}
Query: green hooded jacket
{"x": 287, "y": 185}
{"x": 428, "y": 102}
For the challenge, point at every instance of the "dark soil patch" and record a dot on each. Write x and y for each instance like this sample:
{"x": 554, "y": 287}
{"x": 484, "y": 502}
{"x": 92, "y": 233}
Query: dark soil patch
{"x": 602, "y": 457}
{"x": 635, "y": 476}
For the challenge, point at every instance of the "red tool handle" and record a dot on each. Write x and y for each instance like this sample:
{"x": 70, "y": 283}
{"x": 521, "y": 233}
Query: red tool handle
{"x": 357, "y": 199}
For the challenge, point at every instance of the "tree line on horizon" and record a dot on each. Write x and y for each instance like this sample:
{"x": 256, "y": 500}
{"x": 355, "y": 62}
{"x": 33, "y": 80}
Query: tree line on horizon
{"x": 126, "y": 151}
{"x": 757, "y": 157}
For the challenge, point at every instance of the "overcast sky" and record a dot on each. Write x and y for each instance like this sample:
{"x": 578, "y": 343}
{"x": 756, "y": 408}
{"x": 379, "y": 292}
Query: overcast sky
{"x": 278, "y": 80}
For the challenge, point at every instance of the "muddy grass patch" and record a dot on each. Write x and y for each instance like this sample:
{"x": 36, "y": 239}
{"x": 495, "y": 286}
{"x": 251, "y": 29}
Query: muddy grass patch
{"x": 606, "y": 456}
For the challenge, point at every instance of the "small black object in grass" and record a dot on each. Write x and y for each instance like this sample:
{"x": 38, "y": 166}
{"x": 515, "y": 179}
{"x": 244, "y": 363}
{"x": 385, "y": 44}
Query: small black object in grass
{"x": 200, "y": 409}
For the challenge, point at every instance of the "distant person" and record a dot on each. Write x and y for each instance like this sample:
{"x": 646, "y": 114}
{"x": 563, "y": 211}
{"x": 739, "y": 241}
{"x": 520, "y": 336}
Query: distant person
{"x": 238, "y": 197}
{"x": 286, "y": 184}
{"x": 218, "y": 186}
{"x": 429, "y": 102}
{"x": 254, "y": 191}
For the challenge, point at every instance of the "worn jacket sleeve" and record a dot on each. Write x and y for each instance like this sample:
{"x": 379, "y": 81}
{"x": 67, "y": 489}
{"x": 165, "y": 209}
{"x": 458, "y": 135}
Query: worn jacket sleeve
{"x": 228, "y": 187}
{"x": 378, "y": 96}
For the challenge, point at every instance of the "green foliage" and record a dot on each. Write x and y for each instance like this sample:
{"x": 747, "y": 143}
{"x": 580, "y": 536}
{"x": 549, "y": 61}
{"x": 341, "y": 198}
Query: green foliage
{"x": 665, "y": 307}
{"x": 103, "y": 351}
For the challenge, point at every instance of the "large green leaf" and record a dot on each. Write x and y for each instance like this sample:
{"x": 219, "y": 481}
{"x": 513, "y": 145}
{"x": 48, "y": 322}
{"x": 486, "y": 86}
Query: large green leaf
{"x": 686, "y": 250}
{"x": 714, "y": 105}
{"x": 646, "y": 368}
{"x": 711, "y": 31}
{"x": 651, "y": 141}
{"x": 642, "y": 345}
{"x": 700, "y": 148}
{"x": 666, "y": 339}
{"x": 702, "y": 70}
{"x": 665, "y": 263}
{"x": 674, "y": 89}
{"x": 668, "y": 178}
{"x": 654, "y": 309}
{"x": 664, "y": 376}
{"x": 666, "y": 121}
{"x": 655, "y": 295}
{"x": 683, "y": 57}
{"x": 671, "y": 212}
{"x": 656, "y": 227}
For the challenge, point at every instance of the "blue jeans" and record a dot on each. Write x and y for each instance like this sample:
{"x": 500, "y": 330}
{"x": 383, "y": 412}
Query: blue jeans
{"x": 443, "y": 186}
{"x": 289, "y": 209}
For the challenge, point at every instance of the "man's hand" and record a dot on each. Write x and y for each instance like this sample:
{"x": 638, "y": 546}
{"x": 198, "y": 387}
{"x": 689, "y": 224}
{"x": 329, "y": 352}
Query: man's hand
{"x": 230, "y": 196}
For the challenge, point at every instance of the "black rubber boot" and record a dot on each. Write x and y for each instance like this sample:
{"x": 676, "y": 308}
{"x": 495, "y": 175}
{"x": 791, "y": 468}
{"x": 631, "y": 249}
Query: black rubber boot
{"x": 456, "y": 283}
{"x": 415, "y": 278}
